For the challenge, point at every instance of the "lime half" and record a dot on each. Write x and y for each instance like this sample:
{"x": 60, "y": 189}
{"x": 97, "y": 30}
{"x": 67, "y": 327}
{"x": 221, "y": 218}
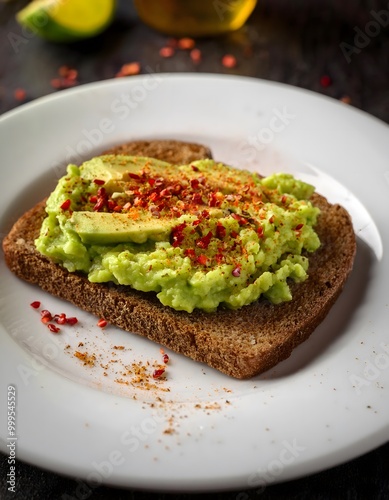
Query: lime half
{"x": 67, "y": 20}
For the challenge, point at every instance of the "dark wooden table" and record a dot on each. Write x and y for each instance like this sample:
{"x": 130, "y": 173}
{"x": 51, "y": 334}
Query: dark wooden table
{"x": 314, "y": 45}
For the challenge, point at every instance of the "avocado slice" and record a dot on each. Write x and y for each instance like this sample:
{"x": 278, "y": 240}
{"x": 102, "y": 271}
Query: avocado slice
{"x": 103, "y": 228}
{"x": 114, "y": 170}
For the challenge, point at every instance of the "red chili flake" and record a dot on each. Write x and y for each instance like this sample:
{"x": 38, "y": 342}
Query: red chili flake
{"x": 236, "y": 271}
{"x": 177, "y": 235}
{"x": 229, "y": 61}
{"x": 154, "y": 196}
{"x": 165, "y": 358}
{"x": 99, "y": 205}
{"x": 197, "y": 198}
{"x": 60, "y": 319}
{"x": 36, "y": 304}
{"x": 271, "y": 220}
{"x": 72, "y": 321}
{"x": 111, "y": 205}
{"x": 194, "y": 168}
{"x": 66, "y": 204}
{"x": 139, "y": 202}
{"x": 234, "y": 234}
{"x": 186, "y": 43}
{"x": 260, "y": 232}
{"x": 298, "y": 227}
{"x": 93, "y": 199}
{"x": 214, "y": 200}
{"x": 177, "y": 188}
{"x": 219, "y": 258}
{"x": 241, "y": 220}
{"x": 20, "y": 94}
{"x": 220, "y": 230}
{"x": 283, "y": 199}
{"x": 67, "y": 78}
{"x": 195, "y": 55}
{"x": 165, "y": 193}
{"x": 194, "y": 183}
{"x": 102, "y": 200}
{"x": 53, "y": 328}
{"x": 202, "y": 259}
{"x": 64, "y": 71}
{"x": 99, "y": 182}
{"x": 158, "y": 373}
{"x": 166, "y": 52}
{"x": 204, "y": 241}
{"x": 189, "y": 252}
{"x": 72, "y": 74}
{"x": 325, "y": 81}
{"x": 134, "y": 176}
{"x": 129, "y": 69}
{"x": 46, "y": 316}
{"x": 102, "y": 323}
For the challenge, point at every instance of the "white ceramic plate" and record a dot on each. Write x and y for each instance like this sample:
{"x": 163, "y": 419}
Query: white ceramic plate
{"x": 198, "y": 429}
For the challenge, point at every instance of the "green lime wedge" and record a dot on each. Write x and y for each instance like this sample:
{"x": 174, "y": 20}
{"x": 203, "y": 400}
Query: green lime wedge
{"x": 67, "y": 20}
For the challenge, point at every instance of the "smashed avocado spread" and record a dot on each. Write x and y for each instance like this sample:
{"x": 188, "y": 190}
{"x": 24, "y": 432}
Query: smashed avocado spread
{"x": 198, "y": 235}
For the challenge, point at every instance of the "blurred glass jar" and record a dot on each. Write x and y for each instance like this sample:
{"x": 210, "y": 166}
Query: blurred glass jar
{"x": 194, "y": 17}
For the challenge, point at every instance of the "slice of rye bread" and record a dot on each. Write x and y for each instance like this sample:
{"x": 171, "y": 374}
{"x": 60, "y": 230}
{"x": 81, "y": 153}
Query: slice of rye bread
{"x": 176, "y": 152}
{"x": 240, "y": 343}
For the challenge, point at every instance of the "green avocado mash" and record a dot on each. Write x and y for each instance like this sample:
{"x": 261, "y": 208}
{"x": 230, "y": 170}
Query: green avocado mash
{"x": 198, "y": 235}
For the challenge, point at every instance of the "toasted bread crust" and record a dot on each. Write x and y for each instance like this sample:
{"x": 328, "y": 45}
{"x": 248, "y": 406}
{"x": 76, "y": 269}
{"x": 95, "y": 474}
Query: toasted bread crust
{"x": 177, "y": 152}
{"x": 240, "y": 343}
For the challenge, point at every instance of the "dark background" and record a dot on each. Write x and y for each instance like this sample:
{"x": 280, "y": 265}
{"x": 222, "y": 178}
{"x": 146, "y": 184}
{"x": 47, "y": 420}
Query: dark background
{"x": 297, "y": 42}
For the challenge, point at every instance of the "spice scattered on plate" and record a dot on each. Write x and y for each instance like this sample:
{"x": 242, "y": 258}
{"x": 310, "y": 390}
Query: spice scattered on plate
{"x": 49, "y": 319}
{"x": 195, "y": 55}
{"x": 67, "y": 77}
{"x": 129, "y": 69}
{"x": 325, "y": 81}
{"x": 166, "y": 52}
{"x": 186, "y": 43}
{"x": 229, "y": 61}
{"x": 88, "y": 359}
{"x": 20, "y": 94}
